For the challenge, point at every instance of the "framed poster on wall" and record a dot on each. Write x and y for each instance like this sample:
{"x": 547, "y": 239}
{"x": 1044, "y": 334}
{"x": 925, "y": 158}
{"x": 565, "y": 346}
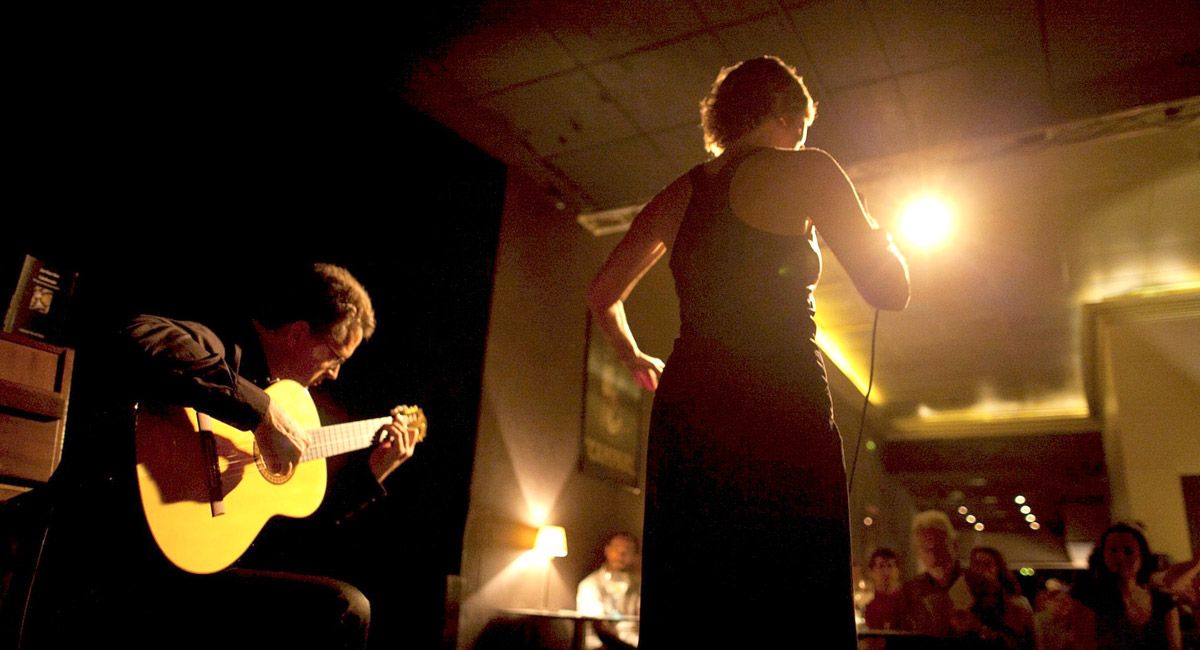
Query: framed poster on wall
{"x": 613, "y": 425}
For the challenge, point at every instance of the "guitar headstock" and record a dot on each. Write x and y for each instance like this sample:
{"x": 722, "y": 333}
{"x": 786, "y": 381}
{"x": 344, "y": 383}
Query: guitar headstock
{"x": 413, "y": 417}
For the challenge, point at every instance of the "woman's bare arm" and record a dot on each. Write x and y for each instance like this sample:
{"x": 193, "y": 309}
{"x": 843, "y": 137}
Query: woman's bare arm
{"x": 786, "y": 191}
{"x": 651, "y": 234}
{"x": 864, "y": 250}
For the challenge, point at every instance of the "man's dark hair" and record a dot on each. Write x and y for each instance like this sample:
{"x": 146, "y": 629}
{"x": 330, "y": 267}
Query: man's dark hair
{"x": 627, "y": 535}
{"x": 882, "y": 552}
{"x": 325, "y": 296}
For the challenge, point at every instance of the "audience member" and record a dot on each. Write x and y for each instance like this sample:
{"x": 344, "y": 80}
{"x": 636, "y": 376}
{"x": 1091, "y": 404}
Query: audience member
{"x": 1121, "y": 610}
{"x": 1053, "y": 617}
{"x": 884, "y": 610}
{"x": 612, "y": 591}
{"x": 935, "y": 598}
{"x": 1004, "y": 616}
{"x": 1183, "y": 581}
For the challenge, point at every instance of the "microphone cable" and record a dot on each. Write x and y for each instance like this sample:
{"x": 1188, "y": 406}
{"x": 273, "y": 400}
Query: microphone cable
{"x": 866, "y": 402}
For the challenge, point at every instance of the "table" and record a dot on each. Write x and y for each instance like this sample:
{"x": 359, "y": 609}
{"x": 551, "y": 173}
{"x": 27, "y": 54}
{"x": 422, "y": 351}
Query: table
{"x": 578, "y": 620}
{"x": 906, "y": 640}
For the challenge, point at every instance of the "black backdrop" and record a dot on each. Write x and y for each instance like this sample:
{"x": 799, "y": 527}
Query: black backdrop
{"x": 172, "y": 159}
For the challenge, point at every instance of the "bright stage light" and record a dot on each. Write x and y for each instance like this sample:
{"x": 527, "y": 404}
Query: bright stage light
{"x": 927, "y": 221}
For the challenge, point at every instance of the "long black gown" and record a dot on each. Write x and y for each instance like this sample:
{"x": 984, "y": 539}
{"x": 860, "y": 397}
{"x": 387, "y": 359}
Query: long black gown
{"x": 746, "y": 490}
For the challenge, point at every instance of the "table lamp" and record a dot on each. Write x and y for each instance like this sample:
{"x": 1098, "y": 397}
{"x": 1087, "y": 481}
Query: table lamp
{"x": 551, "y": 542}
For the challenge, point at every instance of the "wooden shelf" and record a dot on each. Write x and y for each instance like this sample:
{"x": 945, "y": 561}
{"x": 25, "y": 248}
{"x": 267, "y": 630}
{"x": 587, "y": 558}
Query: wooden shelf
{"x": 35, "y": 384}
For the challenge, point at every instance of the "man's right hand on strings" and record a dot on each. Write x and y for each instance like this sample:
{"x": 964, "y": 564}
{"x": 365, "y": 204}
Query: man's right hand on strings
{"x": 280, "y": 440}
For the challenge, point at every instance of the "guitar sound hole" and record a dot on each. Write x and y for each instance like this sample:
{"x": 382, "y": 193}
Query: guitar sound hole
{"x": 277, "y": 478}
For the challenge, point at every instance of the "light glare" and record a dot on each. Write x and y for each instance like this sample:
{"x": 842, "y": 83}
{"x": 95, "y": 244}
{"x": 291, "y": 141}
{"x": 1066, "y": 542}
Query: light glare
{"x": 927, "y": 221}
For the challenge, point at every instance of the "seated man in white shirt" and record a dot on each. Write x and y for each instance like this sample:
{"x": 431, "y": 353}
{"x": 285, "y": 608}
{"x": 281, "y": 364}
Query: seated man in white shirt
{"x": 613, "y": 591}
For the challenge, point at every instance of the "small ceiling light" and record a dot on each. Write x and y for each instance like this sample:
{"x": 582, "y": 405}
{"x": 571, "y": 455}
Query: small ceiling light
{"x": 979, "y": 526}
{"x": 1030, "y": 518}
{"x": 1034, "y": 525}
{"x": 970, "y": 519}
{"x": 1019, "y": 499}
{"x": 962, "y": 510}
{"x": 867, "y": 521}
{"x": 1026, "y": 510}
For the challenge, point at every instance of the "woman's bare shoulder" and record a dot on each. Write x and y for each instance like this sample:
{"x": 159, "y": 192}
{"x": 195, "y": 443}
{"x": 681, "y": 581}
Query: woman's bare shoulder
{"x": 807, "y": 157}
{"x": 776, "y": 189}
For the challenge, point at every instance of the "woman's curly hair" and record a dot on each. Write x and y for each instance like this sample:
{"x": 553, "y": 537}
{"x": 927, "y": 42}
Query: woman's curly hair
{"x": 745, "y": 94}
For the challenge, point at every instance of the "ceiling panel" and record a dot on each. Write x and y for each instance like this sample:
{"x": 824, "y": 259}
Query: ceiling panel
{"x": 929, "y": 34}
{"x": 562, "y": 113}
{"x": 987, "y": 95}
{"x": 863, "y": 121}
{"x": 683, "y": 147}
{"x": 719, "y": 12}
{"x": 507, "y": 47}
{"x": 1091, "y": 39}
{"x": 660, "y": 88}
{"x": 615, "y": 169}
{"x": 841, "y": 40}
{"x": 1107, "y": 55}
{"x": 593, "y": 30}
{"x": 770, "y": 34}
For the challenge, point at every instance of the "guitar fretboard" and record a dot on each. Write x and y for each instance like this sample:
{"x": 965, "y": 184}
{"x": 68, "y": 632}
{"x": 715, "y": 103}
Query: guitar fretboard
{"x": 342, "y": 438}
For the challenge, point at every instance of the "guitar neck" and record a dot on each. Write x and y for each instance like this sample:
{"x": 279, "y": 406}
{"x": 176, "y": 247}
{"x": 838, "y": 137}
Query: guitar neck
{"x": 338, "y": 439}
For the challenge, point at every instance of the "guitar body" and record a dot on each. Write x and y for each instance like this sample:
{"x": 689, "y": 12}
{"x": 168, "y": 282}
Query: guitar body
{"x": 173, "y": 469}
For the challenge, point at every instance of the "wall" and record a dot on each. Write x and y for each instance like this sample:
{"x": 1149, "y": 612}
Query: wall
{"x": 1147, "y": 352}
{"x": 527, "y": 455}
{"x": 1152, "y": 406}
{"x": 873, "y": 494}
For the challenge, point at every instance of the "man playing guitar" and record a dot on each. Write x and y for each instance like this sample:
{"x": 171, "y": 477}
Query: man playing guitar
{"x": 303, "y": 331}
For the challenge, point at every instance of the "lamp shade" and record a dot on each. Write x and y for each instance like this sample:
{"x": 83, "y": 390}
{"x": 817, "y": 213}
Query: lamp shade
{"x": 551, "y": 541}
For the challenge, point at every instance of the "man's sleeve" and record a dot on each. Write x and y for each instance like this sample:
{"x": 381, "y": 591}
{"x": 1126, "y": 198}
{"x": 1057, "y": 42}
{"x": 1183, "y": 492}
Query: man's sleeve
{"x": 185, "y": 363}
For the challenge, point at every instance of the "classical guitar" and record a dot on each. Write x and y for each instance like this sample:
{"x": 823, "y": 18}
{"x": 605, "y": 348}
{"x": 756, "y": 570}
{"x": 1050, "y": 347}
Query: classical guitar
{"x": 206, "y": 490}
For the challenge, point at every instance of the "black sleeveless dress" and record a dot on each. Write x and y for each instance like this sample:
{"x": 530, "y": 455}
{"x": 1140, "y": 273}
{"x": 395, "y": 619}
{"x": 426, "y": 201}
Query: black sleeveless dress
{"x": 746, "y": 487}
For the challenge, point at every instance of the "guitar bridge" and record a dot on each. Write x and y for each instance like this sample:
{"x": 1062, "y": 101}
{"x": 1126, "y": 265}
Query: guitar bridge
{"x": 208, "y": 445}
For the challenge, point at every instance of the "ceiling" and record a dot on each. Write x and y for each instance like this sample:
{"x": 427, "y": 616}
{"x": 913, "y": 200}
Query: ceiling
{"x": 1067, "y": 132}
{"x": 597, "y": 99}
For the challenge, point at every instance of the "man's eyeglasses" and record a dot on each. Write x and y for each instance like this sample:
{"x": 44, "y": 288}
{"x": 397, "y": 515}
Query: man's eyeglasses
{"x": 336, "y": 353}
